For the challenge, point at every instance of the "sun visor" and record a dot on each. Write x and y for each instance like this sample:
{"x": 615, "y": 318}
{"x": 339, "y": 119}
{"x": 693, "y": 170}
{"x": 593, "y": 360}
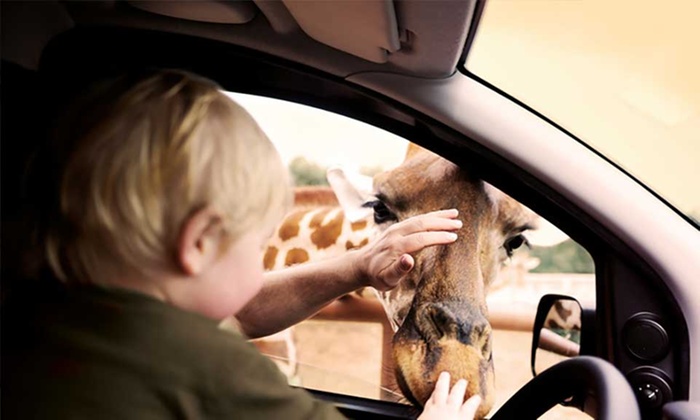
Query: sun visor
{"x": 367, "y": 29}
{"x": 235, "y": 12}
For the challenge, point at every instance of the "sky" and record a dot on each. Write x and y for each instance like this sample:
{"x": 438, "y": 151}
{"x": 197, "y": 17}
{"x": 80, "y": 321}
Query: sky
{"x": 321, "y": 136}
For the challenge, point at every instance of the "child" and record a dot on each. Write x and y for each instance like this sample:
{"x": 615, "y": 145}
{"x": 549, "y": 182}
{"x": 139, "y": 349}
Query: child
{"x": 168, "y": 193}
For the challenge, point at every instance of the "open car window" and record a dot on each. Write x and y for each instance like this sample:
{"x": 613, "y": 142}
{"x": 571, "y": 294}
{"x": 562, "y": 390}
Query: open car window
{"x": 347, "y": 351}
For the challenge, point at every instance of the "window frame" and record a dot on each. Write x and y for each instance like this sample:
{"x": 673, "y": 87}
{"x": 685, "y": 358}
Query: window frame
{"x": 65, "y": 68}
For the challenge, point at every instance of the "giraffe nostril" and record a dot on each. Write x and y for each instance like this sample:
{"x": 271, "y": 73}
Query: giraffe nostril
{"x": 482, "y": 337}
{"x": 443, "y": 321}
{"x": 436, "y": 321}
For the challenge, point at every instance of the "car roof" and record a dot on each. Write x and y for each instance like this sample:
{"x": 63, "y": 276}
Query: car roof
{"x": 425, "y": 39}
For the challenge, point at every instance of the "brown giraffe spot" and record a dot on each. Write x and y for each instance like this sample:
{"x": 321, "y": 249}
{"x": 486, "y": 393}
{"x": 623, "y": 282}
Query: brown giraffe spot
{"x": 318, "y": 218}
{"x": 358, "y": 225}
{"x": 349, "y": 245}
{"x": 269, "y": 258}
{"x": 296, "y": 256}
{"x": 326, "y": 235}
{"x": 290, "y": 225}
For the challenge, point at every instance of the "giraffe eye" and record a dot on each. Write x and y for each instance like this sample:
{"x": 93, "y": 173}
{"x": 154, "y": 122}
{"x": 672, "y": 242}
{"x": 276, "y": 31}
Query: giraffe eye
{"x": 514, "y": 243}
{"x": 381, "y": 213}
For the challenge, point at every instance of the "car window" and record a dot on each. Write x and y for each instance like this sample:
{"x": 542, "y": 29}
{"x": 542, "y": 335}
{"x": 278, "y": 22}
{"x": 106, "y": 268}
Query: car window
{"x": 621, "y": 76}
{"x": 349, "y": 353}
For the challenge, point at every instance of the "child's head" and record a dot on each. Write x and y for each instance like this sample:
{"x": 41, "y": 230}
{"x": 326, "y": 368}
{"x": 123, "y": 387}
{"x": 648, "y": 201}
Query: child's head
{"x": 146, "y": 153}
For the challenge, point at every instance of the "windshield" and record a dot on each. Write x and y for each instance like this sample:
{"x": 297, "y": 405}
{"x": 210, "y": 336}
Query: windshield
{"x": 623, "y": 76}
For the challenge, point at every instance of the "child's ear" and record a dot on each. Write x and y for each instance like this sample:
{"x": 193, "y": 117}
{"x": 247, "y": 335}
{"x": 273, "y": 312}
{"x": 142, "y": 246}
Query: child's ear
{"x": 200, "y": 241}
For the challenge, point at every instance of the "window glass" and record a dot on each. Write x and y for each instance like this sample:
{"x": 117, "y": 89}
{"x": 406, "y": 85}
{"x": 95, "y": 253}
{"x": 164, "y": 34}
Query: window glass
{"x": 352, "y": 355}
{"x": 622, "y": 76}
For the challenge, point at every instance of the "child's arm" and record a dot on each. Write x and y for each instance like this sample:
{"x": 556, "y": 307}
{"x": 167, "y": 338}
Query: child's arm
{"x": 294, "y": 294}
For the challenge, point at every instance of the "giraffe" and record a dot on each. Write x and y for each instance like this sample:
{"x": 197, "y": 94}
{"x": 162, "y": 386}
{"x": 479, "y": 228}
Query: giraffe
{"x": 564, "y": 315}
{"x": 314, "y": 229}
{"x": 439, "y": 311}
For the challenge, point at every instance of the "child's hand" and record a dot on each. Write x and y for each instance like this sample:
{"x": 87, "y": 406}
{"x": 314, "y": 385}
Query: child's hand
{"x": 448, "y": 404}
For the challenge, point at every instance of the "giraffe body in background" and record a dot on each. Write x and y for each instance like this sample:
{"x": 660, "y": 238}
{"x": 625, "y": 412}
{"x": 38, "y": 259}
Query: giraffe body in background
{"x": 316, "y": 228}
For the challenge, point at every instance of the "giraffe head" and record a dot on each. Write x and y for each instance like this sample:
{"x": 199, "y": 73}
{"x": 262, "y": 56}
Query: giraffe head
{"x": 439, "y": 311}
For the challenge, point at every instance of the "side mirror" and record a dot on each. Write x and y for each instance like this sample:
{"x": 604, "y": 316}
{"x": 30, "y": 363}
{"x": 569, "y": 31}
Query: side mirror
{"x": 556, "y": 333}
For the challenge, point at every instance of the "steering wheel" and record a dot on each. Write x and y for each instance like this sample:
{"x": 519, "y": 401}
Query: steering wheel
{"x": 578, "y": 377}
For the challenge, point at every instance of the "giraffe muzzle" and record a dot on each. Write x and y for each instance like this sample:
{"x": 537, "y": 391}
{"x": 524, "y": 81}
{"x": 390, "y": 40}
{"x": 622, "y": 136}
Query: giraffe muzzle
{"x": 439, "y": 321}
{"x": 439, "y": 337}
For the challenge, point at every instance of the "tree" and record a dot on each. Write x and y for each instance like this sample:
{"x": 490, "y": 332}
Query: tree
{"x": 566, "y": 257}
{"x": 305, "y": 172}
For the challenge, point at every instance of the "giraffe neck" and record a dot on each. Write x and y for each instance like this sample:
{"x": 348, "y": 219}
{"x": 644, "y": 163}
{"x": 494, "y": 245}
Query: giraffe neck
{"x": 313, "y": 234}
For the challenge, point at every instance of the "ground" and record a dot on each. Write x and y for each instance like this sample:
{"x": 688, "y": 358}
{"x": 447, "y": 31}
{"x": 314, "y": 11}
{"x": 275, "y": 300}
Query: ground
{"x": 345, "y": 357}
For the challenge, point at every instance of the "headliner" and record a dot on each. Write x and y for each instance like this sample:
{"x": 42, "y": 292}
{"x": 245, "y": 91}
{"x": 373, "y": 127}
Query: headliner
{"x": 427, "y": 37}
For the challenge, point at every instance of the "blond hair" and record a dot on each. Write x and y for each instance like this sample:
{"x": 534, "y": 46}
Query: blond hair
{"x": 146, "y": 153}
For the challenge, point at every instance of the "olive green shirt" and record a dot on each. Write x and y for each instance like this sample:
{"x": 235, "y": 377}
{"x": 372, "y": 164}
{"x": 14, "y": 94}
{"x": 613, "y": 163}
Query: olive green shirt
{"x": 92, "y": 353}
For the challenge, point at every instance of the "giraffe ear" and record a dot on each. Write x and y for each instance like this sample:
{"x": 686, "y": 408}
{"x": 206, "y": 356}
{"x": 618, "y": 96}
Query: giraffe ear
{"x": 353, "y": 190}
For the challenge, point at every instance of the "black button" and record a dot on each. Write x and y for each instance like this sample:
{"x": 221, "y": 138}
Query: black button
{"x": 652, "y": 387}
{"x": 650, "y": 394}
{"x": 645, "y": 338}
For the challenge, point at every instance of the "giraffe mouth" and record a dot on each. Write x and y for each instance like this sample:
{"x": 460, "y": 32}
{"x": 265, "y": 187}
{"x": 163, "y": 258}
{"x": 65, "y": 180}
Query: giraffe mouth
{"x": 419, "y": 360}
{"x": 405, "y": 389}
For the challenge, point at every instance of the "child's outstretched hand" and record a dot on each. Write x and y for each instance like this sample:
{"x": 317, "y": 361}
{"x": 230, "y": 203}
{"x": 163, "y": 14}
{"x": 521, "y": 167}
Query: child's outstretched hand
{"x": 449, "y": 404}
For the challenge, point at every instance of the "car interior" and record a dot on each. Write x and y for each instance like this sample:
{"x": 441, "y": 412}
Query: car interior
{"x": 397, "y": 65}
